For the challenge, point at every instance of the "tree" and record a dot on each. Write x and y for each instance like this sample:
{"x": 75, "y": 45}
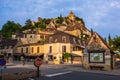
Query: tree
{"x": 46, "y": 21}
{"x": 116, "y": 43}
{"x": 110, "y": 41}
{"x": 41, "y": 24}
{"x": 59, "y": 19}
{"x": 66, "y": 56}
{"x": 105, "y": 39}
{"x": 92, "y": 31}
{"x": 9, "y": 28}
{"x": 28, "y": 25}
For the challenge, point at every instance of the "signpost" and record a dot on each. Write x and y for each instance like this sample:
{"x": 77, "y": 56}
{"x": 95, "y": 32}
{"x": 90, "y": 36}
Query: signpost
{"x": 2, "y": 66}
{"x": 38, "y": 63}
{"x": 2, "y": 62}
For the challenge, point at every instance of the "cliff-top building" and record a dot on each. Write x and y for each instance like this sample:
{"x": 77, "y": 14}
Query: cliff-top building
{"x": 68, "y": 37}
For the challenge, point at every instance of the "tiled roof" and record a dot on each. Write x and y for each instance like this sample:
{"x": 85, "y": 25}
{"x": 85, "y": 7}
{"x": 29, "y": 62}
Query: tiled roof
{"x": 57, "y": 37}
{"x": 103, "y": 41}
{"x": 76, "y": 26}
{"x": 41, "y": 43}
{"x": 51, "y": 29}
{"x": 9, "y": 42}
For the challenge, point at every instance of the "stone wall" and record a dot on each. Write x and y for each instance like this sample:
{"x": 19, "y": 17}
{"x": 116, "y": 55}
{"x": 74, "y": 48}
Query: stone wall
{"x": 16, "y": 76}
{"x": 105, "y": 66}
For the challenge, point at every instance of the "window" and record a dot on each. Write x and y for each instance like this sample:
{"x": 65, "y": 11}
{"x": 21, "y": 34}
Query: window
{"x": 32, "y": 49}
{"x": 63, "y": 39}
{"x": 25, "y": 35}
{"x": 74, "y": 40}
{"x": 56, "y": 40}
{"x": 31, "y": 36}
{"x": 50, "y": 39}
{"x": 21, "y": 50}
{"x": 50, "y": 49}
{"x": 50, "y": 57}
{"x": 79, "y": 42}
{"x": 74, "y": 48}
{"x": 63, "y": 48}
{"x": 41, "y": 37}
{"x": 37, "y": 49}
{"x": 84, "y": 43}
{"x": 26, "y": 50}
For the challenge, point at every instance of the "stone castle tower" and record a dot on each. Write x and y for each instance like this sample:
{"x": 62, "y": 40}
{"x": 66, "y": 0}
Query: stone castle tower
{"x": 71, "y": 16}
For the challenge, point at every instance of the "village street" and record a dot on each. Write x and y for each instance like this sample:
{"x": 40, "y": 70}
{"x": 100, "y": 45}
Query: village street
{"x": 63, "y": 72}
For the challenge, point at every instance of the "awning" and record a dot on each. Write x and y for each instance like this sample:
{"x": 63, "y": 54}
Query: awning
{"x": 35, "y": 54}
{"x": 17, "y": 54}
{"x": 75, "y": 55}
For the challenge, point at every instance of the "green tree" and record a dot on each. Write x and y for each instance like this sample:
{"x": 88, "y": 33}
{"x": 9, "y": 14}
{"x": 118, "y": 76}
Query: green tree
{"x": 105, "y": 39}
{"x": 28, "y": 25}
{"x": 41, "y": 25}
{"x": 9, "y": 28}
{"x": 116, "y": 43}
{"x": 92, "y": 31}
{"x": 46, "y": 21}
{"x": 110, "y": 42}
{"x": 59, "y": 19}
{"x": 66, "y": 56}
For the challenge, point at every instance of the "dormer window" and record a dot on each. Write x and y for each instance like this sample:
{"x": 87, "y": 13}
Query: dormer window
{"x": 79, "y": 42}
{"x": 63, "y": 39}
{"x": 56, "y": 40}
{"x": 74, "y": 40}
{"x": 50, "y": 39}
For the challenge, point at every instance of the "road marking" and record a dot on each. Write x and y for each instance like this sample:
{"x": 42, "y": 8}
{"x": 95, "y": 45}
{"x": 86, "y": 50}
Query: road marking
{"x": 30, "y": 79}
{"x": 56, "y": 74}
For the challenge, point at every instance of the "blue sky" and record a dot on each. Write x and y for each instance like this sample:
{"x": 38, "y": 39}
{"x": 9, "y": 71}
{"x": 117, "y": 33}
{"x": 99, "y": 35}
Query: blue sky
{"x": 103, "y": 16}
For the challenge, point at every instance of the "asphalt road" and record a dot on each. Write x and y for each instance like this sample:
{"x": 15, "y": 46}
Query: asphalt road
{"x": 64, "y": 72}
{"x": 79, "y": 76}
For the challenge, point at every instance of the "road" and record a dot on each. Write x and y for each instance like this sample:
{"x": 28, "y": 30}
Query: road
{"x": 66, "y": 72}
{"x": 75, "y": 72}
{"x": 80, "y": 76}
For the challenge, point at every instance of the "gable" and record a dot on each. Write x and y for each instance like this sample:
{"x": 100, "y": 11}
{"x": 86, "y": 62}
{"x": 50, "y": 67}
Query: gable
{"x": 96, "y": 43}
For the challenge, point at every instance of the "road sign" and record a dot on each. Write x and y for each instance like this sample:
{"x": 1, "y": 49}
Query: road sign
{"x": 2, "y": 62}
{"x": 38, "y": 62}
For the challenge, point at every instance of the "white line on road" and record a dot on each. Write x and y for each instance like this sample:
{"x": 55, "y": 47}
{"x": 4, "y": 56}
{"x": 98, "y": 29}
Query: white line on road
{"x": 56, "y": 74}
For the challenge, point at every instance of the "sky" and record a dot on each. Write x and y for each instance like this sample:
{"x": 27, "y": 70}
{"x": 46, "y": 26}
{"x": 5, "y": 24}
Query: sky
{"x": 103, "y": 16}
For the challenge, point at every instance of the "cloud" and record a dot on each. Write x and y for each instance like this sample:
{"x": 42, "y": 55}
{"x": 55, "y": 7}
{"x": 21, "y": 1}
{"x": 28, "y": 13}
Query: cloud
{"x": 115, "y": 4}
{"x": 95, "y": 13}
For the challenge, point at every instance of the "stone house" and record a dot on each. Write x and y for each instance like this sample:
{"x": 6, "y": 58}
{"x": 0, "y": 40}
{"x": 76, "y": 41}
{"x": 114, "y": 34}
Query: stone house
{"x": 97, "y": 54}
{"x": 31, "y": 51}
{"x": 7, "y": 48}
{"x": 32, "y": 36}
{"x": 59, "y": 43}
{"x": 53, "y": 47}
